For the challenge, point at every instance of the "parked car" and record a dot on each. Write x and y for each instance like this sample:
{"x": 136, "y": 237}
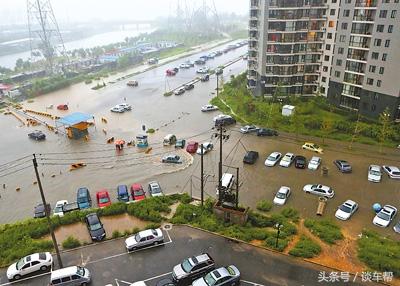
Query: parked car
{"x": 155, "y": 189}
{"x": 205, "y": 77}
{"x": 70, "y": 276}
{"x": 248, "y": 129}
{"x": 396, "y": 227}
{"x": 200, "y": 62}
{"x": 272, "y": 159}
{"x": 103, "y": 198}
{"x": 184, "y": 66}
{"x": 189, "y": 63}
{"x": 132, "y": 83}
{"x": 137, "y": 192}
{"x": 122, "y": 193}
{"x": 208, "y": 107}
{"x": 62, "y": 107}
{"x": 172, "y": 158}
{"x": 117, "y": 109}
{"x": 250, "y": 157}
{"x": 164, "y": 282}
{"x": 319, "y": 190}
{"x": 152, "y": 61}
{"x": 144, "y": 238}
{"x": 385, "y": 216}
{"x": 189, "y": 86}
{"x": 179, "y": 91}
{"x": 30, "y": 264}
{"x": 203, "y": 70}
{"x": 211, "y": 55}
{"x": 192, "y": 268}
{"x": 73, "y": 206}
{"x": 392, "y": 171}
{"x": 282, "y": 195}
{"x": 175, "y": 69}
{"x": 39, "y": 210}
{"x": 312, "y": 147}
{"x": 95, "y": 227}
{"x": 287, "y": 160}
{"x": 314, "y": 163}
{"x": 58, "y": 209}
{"x": 222, "y": 276}
{"x": 343, "y": 166}
{"x": 223, "y": 120}
{"x": 83, "y": 198}
{"x": 346, "y": 210}
{"x": 180, "y": 143}
{"x": 300, "y": 162}
{"x": 267, "y": 132}
{"x": 37, "y": 135}
{"x": 207, "y": 146}
{"x": 192, "y": 147}
{"x": 170, "y": 72}
{"x": 374, "y": 173}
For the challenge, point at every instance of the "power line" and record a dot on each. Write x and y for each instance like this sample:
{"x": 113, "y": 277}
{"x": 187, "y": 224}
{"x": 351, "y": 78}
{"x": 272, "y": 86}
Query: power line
{"x": 14, "y": 161}
{"x": 15, "y": 171}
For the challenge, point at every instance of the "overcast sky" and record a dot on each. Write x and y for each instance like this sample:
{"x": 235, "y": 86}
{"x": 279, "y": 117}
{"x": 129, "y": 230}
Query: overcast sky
{"x": 70, "y": 11}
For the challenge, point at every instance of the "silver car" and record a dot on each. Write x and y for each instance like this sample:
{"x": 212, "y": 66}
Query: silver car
{"x": 319, "y": 190}
{"x": 144, "y": 238}
{"x": 222, "y": 276}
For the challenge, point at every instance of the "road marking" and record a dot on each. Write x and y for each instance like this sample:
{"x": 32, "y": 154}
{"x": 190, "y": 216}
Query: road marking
{"x": 145, "y": 280}
{"x": 251, "y": 283}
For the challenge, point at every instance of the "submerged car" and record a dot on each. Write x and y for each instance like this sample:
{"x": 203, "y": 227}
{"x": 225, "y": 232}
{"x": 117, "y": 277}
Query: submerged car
{"x": 374, "y": 173}
{"x": 300, "y": 162}
{"x": 180, "y": 143}
{"x": 37, "y": 135}
{"x": 346, "y": 210}
{"x": 30, "y": 264}
{"x": 144, "y": 238}
{"x": 192, "y": 268}
{"x": 95, "y": 227}
{"x": 287, "y": 160}
{"x": 179, "y": 91}
{"x": 343, "y": 166}
{"x": 172, "y": 158}
{"x": 392, "y": 171}
{"x": 40, "y": 212}
{"x": 312, "y": 147}
{"x": 314, "y": 163}
{"x": 189, "y": 86}
{"x": 192, "y": 147}
{"x": 319, "y": 190}
{"x": 273, "y": 159}
{"x": 209, "y": 107}
{"x": 250, "y": 157}
{"x": 229, "y": 275}
{"x": 267, "y": 132}
{"x": 122, "y": 193}
{"x": 155, "y": 189}
{"x": 205, "y": 78}
{"x": 248, "y": 129}
{"x": 132, "y": 83}
{"x": 281, "y": 196}
{"x": 207, "y": 146}
{"x": 58, "y": 209}
{"x": 385, "y": 216}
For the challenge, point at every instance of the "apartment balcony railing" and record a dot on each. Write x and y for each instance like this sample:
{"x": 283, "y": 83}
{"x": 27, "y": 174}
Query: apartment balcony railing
{"x": 353, "y": 81}
{"x": 363, "y": 18}
{"x": 366, "y": 3}
{"x": 253, "y": 28}
{"x": 363, "y": 45}
{"x": 357, "y": 58}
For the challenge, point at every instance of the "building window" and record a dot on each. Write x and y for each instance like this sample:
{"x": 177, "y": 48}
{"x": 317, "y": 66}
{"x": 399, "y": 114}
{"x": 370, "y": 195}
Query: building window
{"x": 370, "y": 81}
{"x": 329, "y": 36}
{"x": 337, "y": 73}
{"x": 385, "y": 1}
{"x": 381, "y": 70}
{"x": 387, "y": 43}
{"x": 390, "y": 29}
{"x": 338, "y": 62}
{"x": 346, "y": 13}
{"x": 373, "y": 107}
{"x": 396, "y": 1}
{"x": 348, "y": 1}
{"x": 326, "y": 58}
{"x": 342, "y": 38}
{"x": 377, "y": 42}
{"x": 378, "y": 83}
{"x": 393, "y": 15}
{"x": 328, "y": 47}
{"x": 323, "y": 79}
{"x": 340, "y": 51}
{"x": 333, "y": 11}
{"x": 384, "y": 57}
{"x": 331, "y": 24}
{"x": 375, "y": 97}
{"x": 372, "y": 68}
{"x": 344, "y": 26}
{"x": 375, "y": 56}
{"x": 325, "y": 68}
{"x": 383, "y": 14}
{"x": 380, "y": 28}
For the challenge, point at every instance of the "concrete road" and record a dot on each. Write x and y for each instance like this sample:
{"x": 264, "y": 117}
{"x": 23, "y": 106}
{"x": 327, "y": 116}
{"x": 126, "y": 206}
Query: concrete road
{"x": 109, "y": 263}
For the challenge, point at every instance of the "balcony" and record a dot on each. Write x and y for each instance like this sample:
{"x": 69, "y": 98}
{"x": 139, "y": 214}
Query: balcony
{"x": 367, "y": 19}
{"x": 253, "y": 28}
{"x": 359, "y": 45}
{"x": 366, "y": 4}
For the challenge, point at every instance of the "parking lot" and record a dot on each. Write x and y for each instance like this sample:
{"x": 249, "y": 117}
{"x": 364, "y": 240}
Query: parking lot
{"x": 109, "y": 262}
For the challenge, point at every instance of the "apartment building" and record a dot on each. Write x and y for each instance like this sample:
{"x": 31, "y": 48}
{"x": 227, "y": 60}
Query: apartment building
{"x": 308, "y": 47}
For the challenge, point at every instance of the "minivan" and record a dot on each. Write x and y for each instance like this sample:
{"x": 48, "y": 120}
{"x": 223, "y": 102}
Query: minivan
{"x": 225, "y": 120}
{"x": 70, "y": 276}
{"x": 227, "y": 181}
{"x": 83, "y": 198}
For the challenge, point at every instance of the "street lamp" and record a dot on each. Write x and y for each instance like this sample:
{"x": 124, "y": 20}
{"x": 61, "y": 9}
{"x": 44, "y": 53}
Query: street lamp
{"x": 278, "y": 227}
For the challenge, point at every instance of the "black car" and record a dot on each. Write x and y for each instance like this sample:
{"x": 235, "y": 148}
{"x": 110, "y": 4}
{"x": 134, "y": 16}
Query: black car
{"x": 250, "y": 157}
{"x": 267, "y": 132}
{"x": 37, "y": 135}
{"x": 228, "y": 120}
{"x": 39, "y": 211}
{"x": 166, "y": 282}
{"x": 300, "y": 162}
{"x": 343, "y": 166}
{"x": 205, "y": 78}
{"x": 95, "y": 227}
{"x": 189, "y": 86}
{"x": 175, "y": 69}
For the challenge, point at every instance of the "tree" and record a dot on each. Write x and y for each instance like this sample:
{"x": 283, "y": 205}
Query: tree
{"x": 296, "y": 123}
{"x": 278, "y": 93}
{"x": 19, "y": 64}
{"x": 327, "y": 128}
{"x": 385, "y": 130}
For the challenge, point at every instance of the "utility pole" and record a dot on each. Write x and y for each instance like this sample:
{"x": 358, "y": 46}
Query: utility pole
{"x": 47, "y": 211}
{"x": 217, "y": 85}
{"x": 202, "y": 175}
{"x": 220, "y": 165}
{"x": 237, "y": 187}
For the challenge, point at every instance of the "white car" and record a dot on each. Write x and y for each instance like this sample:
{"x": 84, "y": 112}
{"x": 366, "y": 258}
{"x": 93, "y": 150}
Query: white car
{"x": 155, "y": 189}
{"x": 203, "y": 70}
{"x": 392, "y": 171}
{"x": 346, "y": 210}
{"x": 281, "y": 196}
{"x": 374, "y": 173}
{"x": 144, "y": 238}
{"x": 179, "y": 91}
{"x": 58, "y": 209}
{"x": 117, "y": 109}
{"x": 319, "y": 190}
{"x": 207, "y": 146}
{"x": 273, "y": 159}
{"x": 209, "y": 107}
{"x": 249, "y": 128}
{"x": 125, "y": 106}
{"x": 184, "y": 66}
{"x": 385, "y": 216}
{"x": 314, "y": 163}
{"x": 287, "y": 160}
{"x": 29, "y": 264}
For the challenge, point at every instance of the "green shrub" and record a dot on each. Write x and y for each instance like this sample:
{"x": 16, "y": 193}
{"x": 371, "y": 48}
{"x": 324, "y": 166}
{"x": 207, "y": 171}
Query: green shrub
{"x": 151, "y": 208}
{"x": 135, "y": 230}
{"x": 271, "y": 242}
{"x": 264, "y": 205}
{"x": 113, "y": 209}
{"x": 88, "y": 81}
{"x": 185, "y": 198}
{"x": 168, "y": 93}
{"x": 116, "y": 234}
{"x": 325, "y": 229}
{"x": 150, "y": 130}
{"x": 71, "y": 242}
{"x": 153, "y": 225}
{"x": 306, "y": 248}
{"x": 291, "y": 213}
{"x": 259, "y": 220}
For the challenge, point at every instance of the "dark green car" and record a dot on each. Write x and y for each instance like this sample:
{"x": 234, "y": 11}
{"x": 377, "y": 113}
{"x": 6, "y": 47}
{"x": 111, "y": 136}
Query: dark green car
{"x": 180, "y": 143}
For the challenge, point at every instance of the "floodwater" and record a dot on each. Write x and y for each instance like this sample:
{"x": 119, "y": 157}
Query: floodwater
{"x": 105, "y": 168}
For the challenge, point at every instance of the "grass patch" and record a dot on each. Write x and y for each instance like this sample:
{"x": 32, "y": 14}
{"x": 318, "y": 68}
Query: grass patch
{"x": 306, "y": 248}
{"x": 325, "y": 229}
{"x": 150, "y": 209}
{"x": 379, "y": 253}
{"x": 264, "y": 205}
{"x": 71, "y": 242}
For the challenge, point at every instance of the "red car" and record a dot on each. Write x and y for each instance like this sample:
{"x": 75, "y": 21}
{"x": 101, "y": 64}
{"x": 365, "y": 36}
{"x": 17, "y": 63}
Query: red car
{"x": 192, "y": 147}
{"x": 170, "y": 72}
{"x": 103, "y": 198}
{"x": 137, "y": 192}
{"x": 62, "y": 107}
